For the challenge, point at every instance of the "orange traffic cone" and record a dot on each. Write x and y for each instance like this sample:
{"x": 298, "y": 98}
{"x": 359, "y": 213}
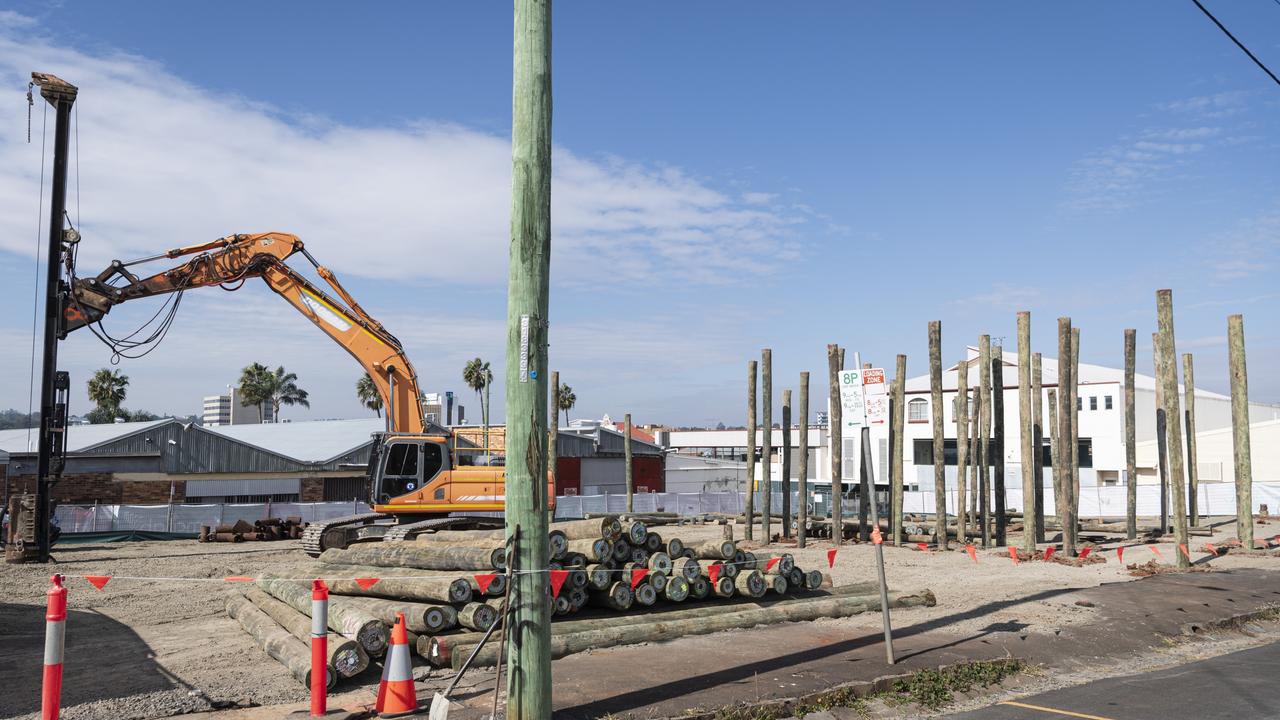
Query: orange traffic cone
{"x": 396, "y": 695}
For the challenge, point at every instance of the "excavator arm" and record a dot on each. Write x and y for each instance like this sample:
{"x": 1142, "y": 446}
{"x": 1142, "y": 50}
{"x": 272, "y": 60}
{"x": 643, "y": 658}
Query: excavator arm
{"x": 227, "y": 262}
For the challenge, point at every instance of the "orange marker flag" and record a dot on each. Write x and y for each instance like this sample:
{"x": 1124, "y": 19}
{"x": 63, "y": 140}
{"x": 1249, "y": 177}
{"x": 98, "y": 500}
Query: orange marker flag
{"x": 973, "y": 553}
{"x": 1013, "y": 555}
{"x": 238, "y": 578}
{"x": 713, "y": 572}
{"x": 772, "y": 561}
{"x": 923, "y": 546}
{"x": 557, "y": 581}
{"x": 366, "y": 583}
{"x": 831, "y": 557}
{"x": 484, "y": 580}
{"x": 637, "y": 576}
{"x": 1048, "y": 552}
{"x": 1183, "y": 548}
{"x": 1084, "y": 552}
{"x": 1120, "y": 555}
{"x": 98, "y": 581}
{"x": 1156, "y": 550}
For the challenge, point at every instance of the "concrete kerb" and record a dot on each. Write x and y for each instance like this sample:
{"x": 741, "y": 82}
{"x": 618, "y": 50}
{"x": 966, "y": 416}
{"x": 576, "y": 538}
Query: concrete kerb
{"x": 1233, "y": 622}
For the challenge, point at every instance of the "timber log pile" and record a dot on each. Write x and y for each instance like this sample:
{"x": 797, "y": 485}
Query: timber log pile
{"x": 622, "y": 583}
{"x": 289, "y": 528}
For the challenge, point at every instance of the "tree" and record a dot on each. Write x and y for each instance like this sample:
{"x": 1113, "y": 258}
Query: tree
{"x": 254, "y": 386}
{"x": 107, "y": 389}
{"x": 258, "y": 386}
{"x": 566, "y": 400}
{"x": 478, "y": 377}
{"x": 368, "y": 394}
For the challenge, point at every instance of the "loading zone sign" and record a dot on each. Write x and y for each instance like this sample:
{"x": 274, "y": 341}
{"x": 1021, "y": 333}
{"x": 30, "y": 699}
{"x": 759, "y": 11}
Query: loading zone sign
{"x": 863, "y": 397}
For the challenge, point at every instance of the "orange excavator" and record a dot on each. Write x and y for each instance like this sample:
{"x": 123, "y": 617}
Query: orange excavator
{"x": 421, "y": 480}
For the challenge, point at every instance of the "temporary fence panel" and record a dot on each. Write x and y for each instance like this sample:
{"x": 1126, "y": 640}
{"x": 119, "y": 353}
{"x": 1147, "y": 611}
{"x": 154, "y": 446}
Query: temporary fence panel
{"x": 189, "y": 518}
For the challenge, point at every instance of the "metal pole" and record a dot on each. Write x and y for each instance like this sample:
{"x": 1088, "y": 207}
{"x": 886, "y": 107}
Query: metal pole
{"x": 766, "y": 452}
{"x": 529, "y": 663}
{"x": 1240, "y": 429}
{"x": 61, "y": 96}
{"x": 879, "y": 543}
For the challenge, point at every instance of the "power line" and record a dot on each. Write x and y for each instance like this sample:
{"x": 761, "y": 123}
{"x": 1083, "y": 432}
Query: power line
{"x": 1239, "y": 44}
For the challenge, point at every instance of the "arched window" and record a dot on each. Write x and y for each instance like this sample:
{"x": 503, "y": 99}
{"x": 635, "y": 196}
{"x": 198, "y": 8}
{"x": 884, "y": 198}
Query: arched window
{"x": 918, "y": 410}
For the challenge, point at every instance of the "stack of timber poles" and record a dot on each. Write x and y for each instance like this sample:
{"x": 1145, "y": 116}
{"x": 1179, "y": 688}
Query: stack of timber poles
{"x": 450, "y": 584}
{"x": 289, "y": 528}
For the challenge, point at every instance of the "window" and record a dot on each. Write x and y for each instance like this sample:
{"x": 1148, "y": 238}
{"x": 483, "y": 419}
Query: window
{"x": 918, "y": 410}
{"x": 1079, "y": 403}
{"x": 1093, "y": 402}
{"x": 402, "y": 459}
{"x": 1107, "y": 402}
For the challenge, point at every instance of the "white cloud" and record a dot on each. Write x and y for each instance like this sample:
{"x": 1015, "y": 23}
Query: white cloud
{"x": 1252, "y": 246}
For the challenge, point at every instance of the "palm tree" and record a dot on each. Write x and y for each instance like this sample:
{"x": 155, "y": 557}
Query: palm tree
{"x": 107, "y": 389}
{"x": 258, "y": 385}
{"x": 566, "y": 400}
{"x": 478, "y": 376}
{"x": 368, "y": 394}
{"x": 255, "y": 386}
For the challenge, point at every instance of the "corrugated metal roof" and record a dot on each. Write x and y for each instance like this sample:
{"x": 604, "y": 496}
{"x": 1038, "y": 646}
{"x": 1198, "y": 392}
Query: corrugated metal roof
{"x": 308, "y": 442}
{"x": 79, "y": 437}
{"x": 216, "y": 488}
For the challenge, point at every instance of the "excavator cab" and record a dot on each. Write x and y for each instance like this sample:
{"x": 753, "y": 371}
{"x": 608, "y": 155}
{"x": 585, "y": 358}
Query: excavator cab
{"x": 405, "y": 465}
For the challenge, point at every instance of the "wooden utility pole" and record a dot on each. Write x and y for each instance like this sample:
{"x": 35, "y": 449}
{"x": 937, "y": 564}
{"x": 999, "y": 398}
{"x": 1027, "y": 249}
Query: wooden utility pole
{"x": 984, "y": 437}
{"x": 766, "y": 452}
{"x": 1037, "y": 441}
{"x": 529, "y": 629}
{"x": 749, "y": 531}
{"x": 803, "y": 469}
{"x": 1193, "y": 474}
{"x": 626, "y": 454}
{"x": 553, "y": 432}
{"x": 1162, "y": 439}
{"x": 1055, "y": 455}
{"x": 962, "y": 449}
{"x": 1065, "y": 510}
{"x": 1240, "y": 429}
{"x": 835, "y": 419}
{"x": 973, "y": 460}
{"x": 997, "y": 442}
{"x": 897, "y": 425}
{"x": 1130, "y": 434}
{"x": 1028, "y": 450}
{"x": 939, "y": 458}
{"x": 786, "y": 463}
{"x": 1075, "y": 432}
{"x": 1169, "y": 384}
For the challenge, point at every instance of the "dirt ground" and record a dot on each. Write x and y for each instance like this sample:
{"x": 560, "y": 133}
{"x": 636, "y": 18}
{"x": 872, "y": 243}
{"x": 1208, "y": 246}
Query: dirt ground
{"x": 148, "y": 648}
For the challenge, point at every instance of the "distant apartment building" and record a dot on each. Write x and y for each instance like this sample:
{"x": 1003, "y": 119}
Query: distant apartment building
{"x": 229, "y": 410}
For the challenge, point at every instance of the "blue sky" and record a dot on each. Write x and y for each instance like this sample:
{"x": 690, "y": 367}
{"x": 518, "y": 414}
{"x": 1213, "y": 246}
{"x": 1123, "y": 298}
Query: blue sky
{"x": 727, "y": 178}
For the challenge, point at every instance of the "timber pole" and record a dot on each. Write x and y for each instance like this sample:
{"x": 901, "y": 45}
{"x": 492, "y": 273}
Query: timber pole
{"x": 1055, "y": 461}
{"x": 1075, "y": 434}
{"x": 939, "y": 457}
{"x": 626, "y": 455}
{"x": 1062, "y": 459}
{"x": 984, "y": 437}
{"x": 1162, "y": 439}
{"x": 997, "y": 441}
{"x": 962, "y": 449}
{"x": 897, "y": 427}
{"x": 835, "y": 421}
{"x": 553, "y": 432}
{"x": 1037, "y": 442}
{"x": 529, "y": 662}
{"x": 1130, "y": 435}
{"x": 803, "y": 469}
{"x": 749, "y": 531}
{"x": 1169, "y": 383}
{"x": 786, "y": 463}
{"x": 1193, "y": 474}
{"x": 766, "y": 452}
{"x": 1025, "y": 425}
{"x": 1240, "y": 429}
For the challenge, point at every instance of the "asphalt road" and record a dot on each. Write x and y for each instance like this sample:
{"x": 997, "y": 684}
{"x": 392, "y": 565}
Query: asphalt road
{"x": 1236, "y": 686}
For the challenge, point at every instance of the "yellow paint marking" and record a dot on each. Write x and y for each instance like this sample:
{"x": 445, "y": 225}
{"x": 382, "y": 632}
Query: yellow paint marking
{"x": 1055, "y": 711}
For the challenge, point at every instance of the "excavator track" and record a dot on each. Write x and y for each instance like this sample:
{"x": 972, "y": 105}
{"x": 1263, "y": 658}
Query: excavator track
{"x": 407, "y": 531}
{"x": 313, "y": 535}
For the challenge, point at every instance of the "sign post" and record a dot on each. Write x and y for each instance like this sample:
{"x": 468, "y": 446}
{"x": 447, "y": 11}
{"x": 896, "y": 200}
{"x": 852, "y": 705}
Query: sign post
{"x": 872, "y": 402}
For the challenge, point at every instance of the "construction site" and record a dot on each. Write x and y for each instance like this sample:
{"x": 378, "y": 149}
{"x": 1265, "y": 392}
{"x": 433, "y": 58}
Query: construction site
{"x": 979, "y": 541}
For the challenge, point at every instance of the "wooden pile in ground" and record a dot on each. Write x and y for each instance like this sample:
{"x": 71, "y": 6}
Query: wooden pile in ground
{"x": 629, "y": 584}
{"x": 289, "y": 528}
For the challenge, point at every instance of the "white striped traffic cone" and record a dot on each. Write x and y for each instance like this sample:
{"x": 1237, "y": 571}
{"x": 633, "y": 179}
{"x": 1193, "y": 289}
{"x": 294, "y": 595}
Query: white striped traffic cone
{"x": 396, "y": 695}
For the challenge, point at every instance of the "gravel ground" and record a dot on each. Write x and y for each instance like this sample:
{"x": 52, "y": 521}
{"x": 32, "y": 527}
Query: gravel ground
{"x": 148, "y": 649}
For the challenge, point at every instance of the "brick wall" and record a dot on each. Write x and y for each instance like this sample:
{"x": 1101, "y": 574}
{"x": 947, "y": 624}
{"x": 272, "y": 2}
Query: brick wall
{"x": 87, "y": 488}
{"x": 312, "y": 490}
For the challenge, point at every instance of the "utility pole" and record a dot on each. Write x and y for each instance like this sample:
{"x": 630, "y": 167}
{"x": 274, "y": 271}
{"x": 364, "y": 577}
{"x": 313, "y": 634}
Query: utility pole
{"x": 786, "y": 463}
{"x": 1037, "y": 471}
{"x": 1169, "y": 384}
{"x": 997, "y": 418}
{"x": 766, "y": 452}
{"x": 803, "y": 469}
{"x": 529, "y": 630}
{"x": 1130, "y": 434}
{"x": 984, "y": 437}
{"x": 1240, "y": 429}
{"x": 1162, "y": 439}
{"x": 1027, "y": 435}
{"x": 1055, "y": 455}
{"x": 897, "y": 418}
{"x": 1062, "y": 459}
{"x": 52, "y": 444}
{"x": 939, "y": 455}
{"x": 1075, "y": 433}
{"x": 961, "y": 413}
{"x": 626, "y": 454}
{"x": 835, "y": 423}
{"x": 750, "y": 509}
{"x": 1193, "y": 474}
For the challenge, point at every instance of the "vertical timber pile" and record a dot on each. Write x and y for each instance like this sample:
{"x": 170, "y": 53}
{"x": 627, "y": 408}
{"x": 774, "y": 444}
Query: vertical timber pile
{"x": 1162, "y": 450}
{"x": 897, "y": 427}
{"x": 997, "y": 441}
{"x": 1075, "y": 434}
{"x": 935, "y": 403}
{"x": 766, "y": 451}
{"x": 803, "y": 470}
{"x": 553, "y": 432}
{"x": 962, "y": 449}
{"x": 786, "y": 463}
{"x": 1027, "y": 434}
{"x": 1130, "y": 435}
{"x": 628, "y": 471}
{"x": 1193, "y": 474}
{"x": 1062, "y": 458}
{"x": 835, "y": 421}
{"x": 750, "y": 509}
{"x": 984, "y": 437}
{"x": 1240, "y": 429}
{"x": 1055, "y": 457}
{"x": 529, "y": 663}
{"x": 1037, "y": 442}
{"x": 1169, "y": 384}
